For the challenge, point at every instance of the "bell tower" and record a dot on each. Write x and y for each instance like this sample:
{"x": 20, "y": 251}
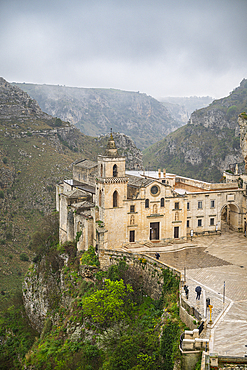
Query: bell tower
{"x": 111, "y": 192}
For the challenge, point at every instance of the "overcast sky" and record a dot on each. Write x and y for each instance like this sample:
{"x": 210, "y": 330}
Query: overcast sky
{"x": 162, "y": 48}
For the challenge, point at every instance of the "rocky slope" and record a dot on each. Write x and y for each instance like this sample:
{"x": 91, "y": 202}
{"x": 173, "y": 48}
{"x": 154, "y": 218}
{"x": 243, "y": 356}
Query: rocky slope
{"x": 36, "y": 152}
{"x": 208, "y": 144}
{"x": 97, "y": 110}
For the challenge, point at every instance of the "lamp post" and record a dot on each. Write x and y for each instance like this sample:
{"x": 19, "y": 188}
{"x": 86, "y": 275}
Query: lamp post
{"x": 216, "y": 228}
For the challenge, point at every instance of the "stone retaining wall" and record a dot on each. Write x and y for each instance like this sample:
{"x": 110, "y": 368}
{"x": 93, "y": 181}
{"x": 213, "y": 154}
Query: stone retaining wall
{"x": 148, "y": 267}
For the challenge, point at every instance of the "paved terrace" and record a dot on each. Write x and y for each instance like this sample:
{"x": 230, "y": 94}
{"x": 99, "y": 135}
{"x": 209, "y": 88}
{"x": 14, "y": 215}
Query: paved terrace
{"x": 210, "y": 261}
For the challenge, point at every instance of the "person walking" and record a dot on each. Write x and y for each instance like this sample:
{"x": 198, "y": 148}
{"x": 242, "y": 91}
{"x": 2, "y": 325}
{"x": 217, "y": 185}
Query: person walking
{"x": 186, "y": 290}
{"x": 157, "y": 255}
{"x": 198, "y": 292}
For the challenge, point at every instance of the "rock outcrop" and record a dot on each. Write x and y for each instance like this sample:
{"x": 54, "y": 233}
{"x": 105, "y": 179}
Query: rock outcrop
{"x": 242, "y": 121}
{"x": 208, "y": 144}
{"x": 15, "y": 104}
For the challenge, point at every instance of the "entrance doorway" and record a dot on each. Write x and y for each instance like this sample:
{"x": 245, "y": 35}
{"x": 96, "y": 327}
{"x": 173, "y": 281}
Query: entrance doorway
{"x": 230, "y": 215}
{"x": 154, "y": 230}
{"x": 176, "y": 232}
{"x": 132, "y": 236}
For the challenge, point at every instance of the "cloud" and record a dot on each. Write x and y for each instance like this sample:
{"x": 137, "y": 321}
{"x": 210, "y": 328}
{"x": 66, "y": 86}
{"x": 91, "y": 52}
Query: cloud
{"x": 158, "y": 47}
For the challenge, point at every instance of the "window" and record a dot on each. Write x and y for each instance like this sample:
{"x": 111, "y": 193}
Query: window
{"x": 212, "y": 204}
{"x": 115, "y": 170}
{"x": 188, "y": 206}
{"x": 147, "y": 203}
{"x": 100, "y": 197}
{"x": 211, "y": 221}
{"x": 115, "y": 199}
{"x": 101, "y": 170}
{"x": 162, "y": 202}
{"x": 200, "y": 205}
{"x": 176, "y": 205}
{"x": 188, "y": 223}
{"x": 154, "y": 190}
{"x": 199, "y": 222}
{"x": 132, "y": 209}
{"x": 132, "y": 236}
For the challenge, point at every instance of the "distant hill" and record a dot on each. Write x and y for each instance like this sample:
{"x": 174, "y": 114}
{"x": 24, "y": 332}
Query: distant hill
{"x": 36, "y": 152}
{"x": 208, "y": 144}
{"x": 180, "y": 108}
{"x": 95, "y": 111}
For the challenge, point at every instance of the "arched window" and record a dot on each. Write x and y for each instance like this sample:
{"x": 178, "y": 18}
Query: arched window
{"x": 115, "y": 199}
{"x": 101, "y": 170}
{"x": 162, "y": 202}
{"x": 115, "y": 170}
{"x": 146, "y": 203}
{"x": 100, "y": 197}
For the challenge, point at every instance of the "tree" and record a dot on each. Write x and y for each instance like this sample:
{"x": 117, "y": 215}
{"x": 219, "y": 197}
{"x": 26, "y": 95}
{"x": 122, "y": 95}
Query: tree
{"x": 110, "y": 304}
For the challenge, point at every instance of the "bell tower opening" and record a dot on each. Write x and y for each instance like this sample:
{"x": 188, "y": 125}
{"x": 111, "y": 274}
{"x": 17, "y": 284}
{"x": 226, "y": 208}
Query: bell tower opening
{"x": 115, "y": 199}
{"x": 115, "y": 172}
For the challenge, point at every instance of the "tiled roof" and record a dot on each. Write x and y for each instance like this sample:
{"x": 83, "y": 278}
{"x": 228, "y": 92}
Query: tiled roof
{"x": 139, "y": 181}
{"x": 86, "y": 163}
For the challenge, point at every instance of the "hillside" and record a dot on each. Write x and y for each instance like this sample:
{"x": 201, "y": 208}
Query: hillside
{"x": 36, "y": 152}
{"x": 208, "y": 144}
{"x": 95, "y": 111}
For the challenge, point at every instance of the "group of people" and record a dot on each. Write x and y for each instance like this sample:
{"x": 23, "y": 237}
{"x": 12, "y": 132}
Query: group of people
{"x": 198, "y": 291}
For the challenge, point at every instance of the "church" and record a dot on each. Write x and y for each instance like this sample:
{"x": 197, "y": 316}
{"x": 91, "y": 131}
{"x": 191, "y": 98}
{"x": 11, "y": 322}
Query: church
{"x": 108, "y": 207}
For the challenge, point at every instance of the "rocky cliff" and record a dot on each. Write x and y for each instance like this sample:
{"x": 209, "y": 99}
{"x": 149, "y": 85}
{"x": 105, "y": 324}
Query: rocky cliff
{"x": 208, "y": 144}
{"x": 95, "y": 111}
{"x": 242, "y": 121}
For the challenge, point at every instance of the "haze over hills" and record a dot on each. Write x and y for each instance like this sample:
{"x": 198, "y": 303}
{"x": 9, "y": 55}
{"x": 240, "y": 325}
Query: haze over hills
{"x": 180, "y": 108}
{"x": 36, "y": 152}
{"x": 95, "y": 111}
{"x": 208, "y": 144}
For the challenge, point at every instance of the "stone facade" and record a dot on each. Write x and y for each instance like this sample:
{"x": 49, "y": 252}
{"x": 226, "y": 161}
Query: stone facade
{"x": 105, "y": 206}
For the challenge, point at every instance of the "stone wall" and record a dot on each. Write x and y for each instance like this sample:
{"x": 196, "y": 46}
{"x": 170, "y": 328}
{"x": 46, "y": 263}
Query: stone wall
{"x": 149, "y": 268}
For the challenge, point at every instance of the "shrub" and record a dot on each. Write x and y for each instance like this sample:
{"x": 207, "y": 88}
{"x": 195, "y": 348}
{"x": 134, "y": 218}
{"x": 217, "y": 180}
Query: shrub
{"x": 5, "y": 160}
{"x": 24, "y": 257}
{"x": 89, "y": 257}
{"x": 1, "y": 194}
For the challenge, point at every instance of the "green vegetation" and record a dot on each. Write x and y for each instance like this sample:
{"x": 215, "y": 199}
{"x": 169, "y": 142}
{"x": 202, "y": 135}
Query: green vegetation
{"x": 16, "y": 335}
{"x": 106, "y": 321}
{"x": 24, "y": 257}
{"x": 89, "y": 257}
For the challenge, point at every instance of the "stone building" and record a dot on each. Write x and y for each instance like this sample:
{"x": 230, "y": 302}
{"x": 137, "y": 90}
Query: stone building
{"x": 105, "y": 206}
